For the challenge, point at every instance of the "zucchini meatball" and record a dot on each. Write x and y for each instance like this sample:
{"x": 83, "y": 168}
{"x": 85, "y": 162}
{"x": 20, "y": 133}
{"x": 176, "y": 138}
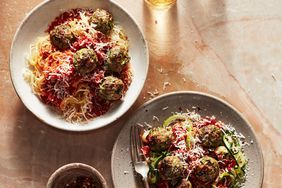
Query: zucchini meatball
{"x": 225, "y": 179}
{"x": 160, "y": 138}
{"x": 111, "y": 88}
{"x": 171, "y": 168}
{"x": 210, "y": 136}
{"x": 117, "y": 59}
{"x": 62, "y": 37}
{"x": 184, "y": 184}
{"x": 207, "y": 170}
{"x": 102, "y": 21}
{"x": 85, "y": 60}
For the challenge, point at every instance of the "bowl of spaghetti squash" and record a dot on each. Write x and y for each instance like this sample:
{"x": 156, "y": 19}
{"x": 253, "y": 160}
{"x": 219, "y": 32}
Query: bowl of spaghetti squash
{"x": 74, "y": 65}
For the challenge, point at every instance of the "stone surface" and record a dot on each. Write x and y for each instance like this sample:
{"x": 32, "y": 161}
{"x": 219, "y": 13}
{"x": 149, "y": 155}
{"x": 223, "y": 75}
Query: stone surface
{"x": 231, "y": 49}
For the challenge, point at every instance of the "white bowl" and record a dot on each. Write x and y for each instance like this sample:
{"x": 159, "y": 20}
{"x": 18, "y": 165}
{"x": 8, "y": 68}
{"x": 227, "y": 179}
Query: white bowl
{"x": 35, "y": 25}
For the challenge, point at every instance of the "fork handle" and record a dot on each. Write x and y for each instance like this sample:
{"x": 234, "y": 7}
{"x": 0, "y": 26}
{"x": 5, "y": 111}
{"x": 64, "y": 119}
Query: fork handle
{"x": 145, "y": 182}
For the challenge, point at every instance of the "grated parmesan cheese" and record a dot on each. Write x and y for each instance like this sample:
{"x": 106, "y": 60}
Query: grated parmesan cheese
{"x": 166, "y": 84}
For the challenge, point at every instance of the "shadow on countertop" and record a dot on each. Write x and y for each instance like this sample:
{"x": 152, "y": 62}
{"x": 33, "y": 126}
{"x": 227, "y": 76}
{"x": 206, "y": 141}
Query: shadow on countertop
{"x": 38, "y": 149}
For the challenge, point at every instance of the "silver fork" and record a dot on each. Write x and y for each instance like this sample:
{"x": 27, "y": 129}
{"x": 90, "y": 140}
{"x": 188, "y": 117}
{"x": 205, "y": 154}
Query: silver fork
{"x": 138, "y": 158}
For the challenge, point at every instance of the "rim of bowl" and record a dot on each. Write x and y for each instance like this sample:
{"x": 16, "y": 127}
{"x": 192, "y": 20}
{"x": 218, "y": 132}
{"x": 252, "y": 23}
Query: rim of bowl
{"x": 206, "y": 95}
{"x": 86, "y": 127}
{"x": 69, "y": 166}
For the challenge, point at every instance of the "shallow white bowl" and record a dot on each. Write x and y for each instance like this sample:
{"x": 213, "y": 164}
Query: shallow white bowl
{"x": 35, "y": 25}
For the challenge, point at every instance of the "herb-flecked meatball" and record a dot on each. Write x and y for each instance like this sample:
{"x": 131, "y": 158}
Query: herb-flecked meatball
{"x": 102, "y": 20}
{"x": 225, "y": 179}
{"x": 210, "y": 136}
{"x": 117, "y": 59}
{"x": 85, "y": 60}
{"x": 184, "y": 184}
{"x": 207, "y": 170}
{"x": 171, "y": 168}
{"x": 160, "y": 138}
{"x": 62, "y": 37}
{"x": 111, "y": 88}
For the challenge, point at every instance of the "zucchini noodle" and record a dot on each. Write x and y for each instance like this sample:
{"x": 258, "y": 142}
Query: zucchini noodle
{"x": 188, "y": 150}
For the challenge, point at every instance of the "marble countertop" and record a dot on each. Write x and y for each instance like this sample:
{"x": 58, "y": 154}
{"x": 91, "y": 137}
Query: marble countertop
{"x": 230, "y": 49}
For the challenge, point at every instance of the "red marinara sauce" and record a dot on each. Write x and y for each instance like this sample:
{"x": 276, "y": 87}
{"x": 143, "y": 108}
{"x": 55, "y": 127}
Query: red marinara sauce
{"x": 49, "y": 96}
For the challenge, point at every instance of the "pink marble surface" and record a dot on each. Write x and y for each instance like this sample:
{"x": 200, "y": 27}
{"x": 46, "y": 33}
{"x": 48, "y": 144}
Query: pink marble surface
{"x": 231, "y": 49}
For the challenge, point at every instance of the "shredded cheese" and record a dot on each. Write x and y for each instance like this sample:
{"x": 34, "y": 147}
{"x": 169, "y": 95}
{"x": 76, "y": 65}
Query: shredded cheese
{"x": 51, "y": 73}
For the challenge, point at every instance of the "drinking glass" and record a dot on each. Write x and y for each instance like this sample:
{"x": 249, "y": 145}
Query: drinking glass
{"x": 161, "y": 3}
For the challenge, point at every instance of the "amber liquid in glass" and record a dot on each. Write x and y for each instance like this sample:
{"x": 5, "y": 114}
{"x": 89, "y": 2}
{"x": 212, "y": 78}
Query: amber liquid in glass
{"x": 161, "y": 3}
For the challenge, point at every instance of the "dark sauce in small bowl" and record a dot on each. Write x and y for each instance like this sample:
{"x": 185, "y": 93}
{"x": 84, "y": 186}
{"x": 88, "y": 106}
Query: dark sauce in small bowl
{"x": 76, "y": 175}
{"x": 83, "y": 182}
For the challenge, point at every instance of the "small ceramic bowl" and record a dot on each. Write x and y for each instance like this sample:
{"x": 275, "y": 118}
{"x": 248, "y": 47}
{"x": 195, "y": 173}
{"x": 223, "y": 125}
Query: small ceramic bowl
{"x": 70, "y": 172}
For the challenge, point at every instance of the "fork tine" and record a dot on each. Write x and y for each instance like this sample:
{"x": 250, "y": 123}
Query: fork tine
{"x": 139, "y": 142}
{"x": 132, "y": 144}
{"x": 138, "y": 158}
{"x": 136, "y": 143}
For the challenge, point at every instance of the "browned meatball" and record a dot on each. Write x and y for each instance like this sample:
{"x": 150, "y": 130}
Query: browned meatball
{"x": 184, "y": 184}
{"x": 208, "y": 170}
{"x": 85, "y": 60}
{"x": 117, "y": 59}
{"x": 160, "y": 138}
{"x": 102, "y": 21}
{"x": 62, "y": 37}
{"x": 111, "y": 88}
{"x": 210, "y": 136}
{"x": 170, "y": 168}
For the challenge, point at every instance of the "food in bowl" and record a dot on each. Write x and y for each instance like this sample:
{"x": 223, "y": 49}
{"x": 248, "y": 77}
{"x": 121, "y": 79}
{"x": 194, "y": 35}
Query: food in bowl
{"x": 193, "y": 151}
{"x": 82, "y": 182}
{"x": 76, "y": 175}
{"x": 82, "y": 66}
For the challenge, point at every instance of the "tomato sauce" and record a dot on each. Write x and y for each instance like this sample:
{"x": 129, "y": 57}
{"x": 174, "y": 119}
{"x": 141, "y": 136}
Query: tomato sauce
{"x": 68, "y": 16}
{"x": 50, "y": 96}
